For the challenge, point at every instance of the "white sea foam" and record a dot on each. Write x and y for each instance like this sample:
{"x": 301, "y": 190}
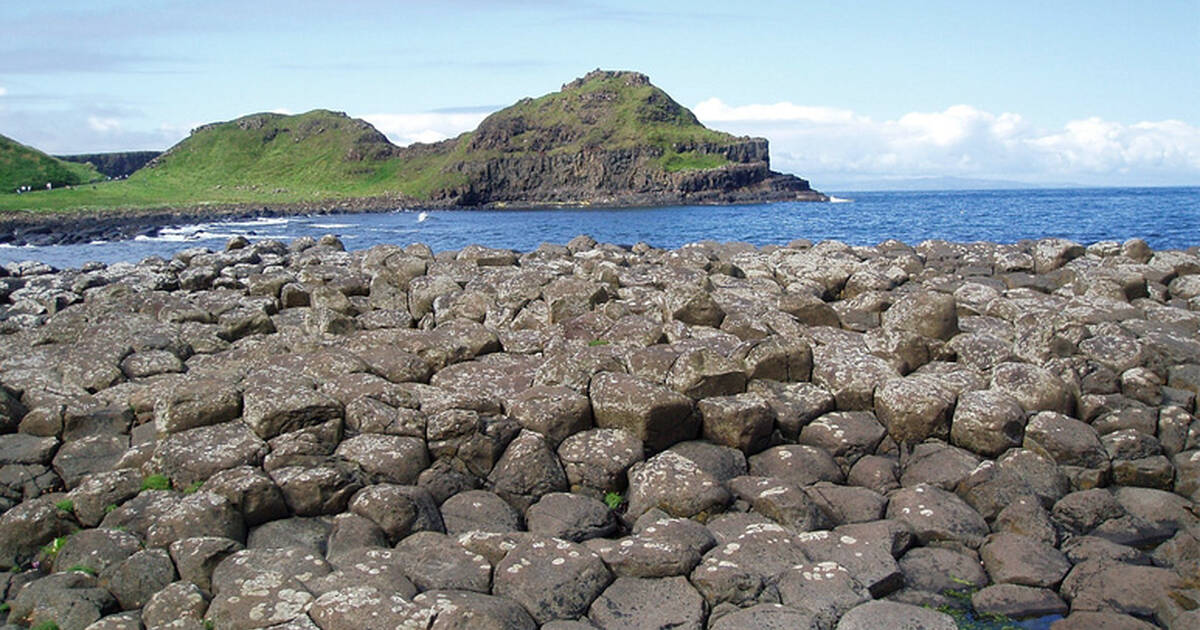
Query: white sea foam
{"x": 421, "y": 217}
{"x": 204, "y": 234}
{"x": 833, "y": 199}
{"x": 185, "y": 231}
{"x": 190, "y": 233}
{"x": 331, "y": 226}
{"x": 163, "y": 238}
{"x": 259, "y": 221}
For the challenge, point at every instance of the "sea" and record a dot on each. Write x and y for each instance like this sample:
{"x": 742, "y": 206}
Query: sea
{"x": 1167, "y": 218}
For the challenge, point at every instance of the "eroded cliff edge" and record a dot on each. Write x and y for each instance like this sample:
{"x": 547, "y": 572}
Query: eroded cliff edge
{"x": 611, "y": 138}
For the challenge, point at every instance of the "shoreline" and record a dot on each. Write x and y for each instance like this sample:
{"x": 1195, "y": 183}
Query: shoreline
{"x": 36, "y": 228}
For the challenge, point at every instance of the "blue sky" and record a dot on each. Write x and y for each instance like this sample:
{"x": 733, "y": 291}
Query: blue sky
{"x": 1044, "y": 92}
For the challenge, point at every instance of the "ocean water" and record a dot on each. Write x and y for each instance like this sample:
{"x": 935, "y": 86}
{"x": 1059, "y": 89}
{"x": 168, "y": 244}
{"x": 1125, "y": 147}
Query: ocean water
{"x": 1165, "y": 217}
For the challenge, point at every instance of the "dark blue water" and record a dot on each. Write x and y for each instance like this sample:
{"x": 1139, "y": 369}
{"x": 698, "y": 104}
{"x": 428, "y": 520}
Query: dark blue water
{"x": 1165, "y": 217}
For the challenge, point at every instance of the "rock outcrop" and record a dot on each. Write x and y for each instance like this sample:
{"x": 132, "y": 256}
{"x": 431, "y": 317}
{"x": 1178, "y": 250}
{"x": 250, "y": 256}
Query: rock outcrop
{"x": 609, "y": 138}
{"x": 114, "y": 165}
{"x": 296, "y": 436}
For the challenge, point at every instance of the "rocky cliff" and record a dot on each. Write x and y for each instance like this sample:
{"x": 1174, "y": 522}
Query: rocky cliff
{"x": 628, "y": 176}
{"x": 114, "y": 165}
{"x": 609, "y": 138}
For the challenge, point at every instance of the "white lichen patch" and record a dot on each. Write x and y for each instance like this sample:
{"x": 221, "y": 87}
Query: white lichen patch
{"x": 286, "y": 604}
{"x": 472, "y": 536}
{"x": 344, "y": 601}
{"x": 758, "y": 528}
{"x": 261, "y": 585}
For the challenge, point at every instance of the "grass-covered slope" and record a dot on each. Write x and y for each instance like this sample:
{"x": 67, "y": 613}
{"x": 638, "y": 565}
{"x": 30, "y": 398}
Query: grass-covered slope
{"x": 257, "y": 159}
{"x": 317, "y": 151}
{"x": 603, "y": 110}
{"x": 600, "y": 137}
{"x": 25, "y": 166}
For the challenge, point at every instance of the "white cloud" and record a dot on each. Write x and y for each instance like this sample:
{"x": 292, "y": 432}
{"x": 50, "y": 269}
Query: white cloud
{"x": 103, "y": 125}
{"x": 714, "y": 110}
{"x": 177, "y": 131}
{"x": 964, "y": 141}
{"x": 405, "y": 129}
{"x": 3, "y": 90}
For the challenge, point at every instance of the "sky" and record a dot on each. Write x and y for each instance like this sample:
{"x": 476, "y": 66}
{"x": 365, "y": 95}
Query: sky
{"x": 1046, "y": 92}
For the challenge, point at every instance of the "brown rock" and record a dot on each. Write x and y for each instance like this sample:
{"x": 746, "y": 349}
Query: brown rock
{"x": 652, "y": 413}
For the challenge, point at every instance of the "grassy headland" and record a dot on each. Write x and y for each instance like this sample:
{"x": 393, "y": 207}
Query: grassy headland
{"x": 323, "y": 156}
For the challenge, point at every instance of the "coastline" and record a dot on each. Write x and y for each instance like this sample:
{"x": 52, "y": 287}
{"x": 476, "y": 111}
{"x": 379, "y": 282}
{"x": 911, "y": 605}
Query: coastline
{"x": 83, "y": 226}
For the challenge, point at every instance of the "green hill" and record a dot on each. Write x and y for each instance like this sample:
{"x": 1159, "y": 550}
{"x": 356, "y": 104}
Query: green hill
{"x": 608, "y": 138}
{"x": 257, "y": 159}
{"x": 603, "y": 110}
{"x": 312, "y": 152}
{"x": 613, "y": 138}
{"x": 25, "y": 166}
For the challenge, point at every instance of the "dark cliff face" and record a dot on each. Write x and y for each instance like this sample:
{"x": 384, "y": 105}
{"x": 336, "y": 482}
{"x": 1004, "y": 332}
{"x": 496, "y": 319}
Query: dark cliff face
{"x": 114, "y": 165}
{"x": 604, "y": 176}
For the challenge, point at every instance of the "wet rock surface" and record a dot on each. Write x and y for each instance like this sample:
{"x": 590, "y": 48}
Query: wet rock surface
{"x": 718, "y": 436}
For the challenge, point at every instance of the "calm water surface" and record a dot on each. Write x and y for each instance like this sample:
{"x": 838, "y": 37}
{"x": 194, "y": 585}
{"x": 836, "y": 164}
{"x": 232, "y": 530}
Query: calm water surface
{"x": 1165, "y": 217}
